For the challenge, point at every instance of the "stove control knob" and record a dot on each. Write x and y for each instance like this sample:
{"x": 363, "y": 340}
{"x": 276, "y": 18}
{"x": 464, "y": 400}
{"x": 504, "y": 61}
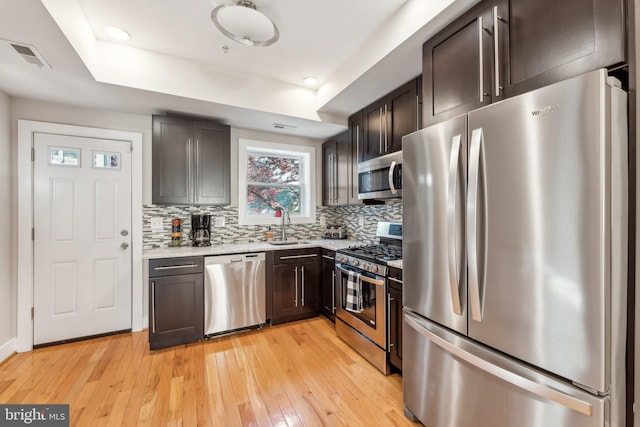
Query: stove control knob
{"x": 374, "y": 269}
{"x": 356, "y": 262}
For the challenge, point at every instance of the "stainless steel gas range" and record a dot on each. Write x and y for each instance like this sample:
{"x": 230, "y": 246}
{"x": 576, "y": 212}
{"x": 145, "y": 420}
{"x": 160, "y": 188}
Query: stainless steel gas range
{"x": 362, "y": 319}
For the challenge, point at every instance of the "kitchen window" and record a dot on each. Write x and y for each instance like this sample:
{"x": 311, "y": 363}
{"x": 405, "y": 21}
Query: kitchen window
{"x": 273, "y": 176}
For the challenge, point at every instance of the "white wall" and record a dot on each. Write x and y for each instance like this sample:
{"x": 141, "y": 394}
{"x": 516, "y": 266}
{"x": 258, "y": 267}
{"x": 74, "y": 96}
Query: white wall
{"x": 14, "y": 109}
{"x": 28, "y": 109}
{"x": 7, "y": 270}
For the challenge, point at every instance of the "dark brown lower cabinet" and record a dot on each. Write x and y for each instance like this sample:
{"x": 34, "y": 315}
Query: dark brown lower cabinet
{"x": 176, "y": 302}
{"x": 329, "y": 284}
{"x": 395, "y": 318}
{"x": 296, "y": 285}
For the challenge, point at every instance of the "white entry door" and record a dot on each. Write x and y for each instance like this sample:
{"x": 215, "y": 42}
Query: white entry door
{"x": 82, "y": 237}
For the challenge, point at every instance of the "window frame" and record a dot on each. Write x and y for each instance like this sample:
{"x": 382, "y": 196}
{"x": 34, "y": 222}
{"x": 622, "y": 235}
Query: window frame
{"x": 307, "y": 176}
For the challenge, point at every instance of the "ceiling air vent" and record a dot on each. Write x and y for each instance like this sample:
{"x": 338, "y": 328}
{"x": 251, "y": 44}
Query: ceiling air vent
{"x": 283, "y": 126}
{"x": 30, "y": 54}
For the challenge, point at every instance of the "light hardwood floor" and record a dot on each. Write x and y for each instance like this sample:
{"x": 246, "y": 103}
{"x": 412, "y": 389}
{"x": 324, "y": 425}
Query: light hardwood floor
{"x": 297, "y": 374}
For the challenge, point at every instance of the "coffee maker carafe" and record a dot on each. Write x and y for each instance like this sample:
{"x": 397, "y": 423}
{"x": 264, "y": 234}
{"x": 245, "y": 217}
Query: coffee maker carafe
{"x": 200, "y": 230}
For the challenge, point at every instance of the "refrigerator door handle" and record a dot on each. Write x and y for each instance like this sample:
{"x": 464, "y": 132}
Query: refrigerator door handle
{"x": 454, "y": 159}
{"x": 473, "y": 279}
{"x": 533, "y": 387}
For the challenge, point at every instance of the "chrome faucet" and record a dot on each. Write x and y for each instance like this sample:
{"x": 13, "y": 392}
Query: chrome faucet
{"x": 286, "y": 220}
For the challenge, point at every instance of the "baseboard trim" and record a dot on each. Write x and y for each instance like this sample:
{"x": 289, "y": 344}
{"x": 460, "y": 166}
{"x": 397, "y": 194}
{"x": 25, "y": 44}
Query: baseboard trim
{"x": 7, "y": 349}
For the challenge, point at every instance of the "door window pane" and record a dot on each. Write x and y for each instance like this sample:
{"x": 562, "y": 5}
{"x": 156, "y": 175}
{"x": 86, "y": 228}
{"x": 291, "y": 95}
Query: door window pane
{"x": 64, "y": 156}
{"x": 106, "y": 160}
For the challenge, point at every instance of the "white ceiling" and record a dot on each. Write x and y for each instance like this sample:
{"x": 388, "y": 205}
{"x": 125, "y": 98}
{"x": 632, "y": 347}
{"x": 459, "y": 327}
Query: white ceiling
{"x": 174, "y": 62}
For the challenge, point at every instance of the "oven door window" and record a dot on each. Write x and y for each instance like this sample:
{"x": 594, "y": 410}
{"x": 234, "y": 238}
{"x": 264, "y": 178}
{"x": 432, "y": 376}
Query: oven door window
{"x": 368, "y": 314}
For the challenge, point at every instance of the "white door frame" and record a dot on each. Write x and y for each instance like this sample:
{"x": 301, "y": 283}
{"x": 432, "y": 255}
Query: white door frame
{"x": 26, "y": 129}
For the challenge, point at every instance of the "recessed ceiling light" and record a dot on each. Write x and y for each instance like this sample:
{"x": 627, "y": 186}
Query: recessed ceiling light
{"x": 310, "y": 81}
{"x": 118, "y": 34}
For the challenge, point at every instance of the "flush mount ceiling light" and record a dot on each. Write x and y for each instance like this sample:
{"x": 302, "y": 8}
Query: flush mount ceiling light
{"x": 310, "y": 81}
{"x": 118, "y": 34}
{"x": 244, "y": 24}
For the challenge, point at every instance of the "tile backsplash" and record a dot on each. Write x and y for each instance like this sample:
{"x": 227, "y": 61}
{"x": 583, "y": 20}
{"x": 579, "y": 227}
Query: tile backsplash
{"x": 359, "y": 220}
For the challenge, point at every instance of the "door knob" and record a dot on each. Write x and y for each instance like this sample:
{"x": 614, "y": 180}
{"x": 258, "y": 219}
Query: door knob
{"x": 124, "y": 233}
{"x": 124, "y": 245}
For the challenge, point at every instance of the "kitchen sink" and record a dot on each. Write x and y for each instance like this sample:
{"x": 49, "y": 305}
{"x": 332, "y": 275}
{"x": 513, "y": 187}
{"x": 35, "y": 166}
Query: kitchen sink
{"x": 289, "y": 242}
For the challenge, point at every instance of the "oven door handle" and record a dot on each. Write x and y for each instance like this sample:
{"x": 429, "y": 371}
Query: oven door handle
{"x": 364, "y": 278}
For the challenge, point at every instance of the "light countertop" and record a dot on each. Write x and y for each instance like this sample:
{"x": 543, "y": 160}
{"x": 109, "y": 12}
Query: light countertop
{"x": 237, "y": 248}
{"x": 397, "y": 263}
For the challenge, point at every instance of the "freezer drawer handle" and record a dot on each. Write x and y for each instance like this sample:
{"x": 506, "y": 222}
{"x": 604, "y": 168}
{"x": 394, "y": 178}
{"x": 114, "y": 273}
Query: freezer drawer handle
{"x": 543, "y": 391}
{"x": 472, "y": 225}
{"x": 456, "y": 143}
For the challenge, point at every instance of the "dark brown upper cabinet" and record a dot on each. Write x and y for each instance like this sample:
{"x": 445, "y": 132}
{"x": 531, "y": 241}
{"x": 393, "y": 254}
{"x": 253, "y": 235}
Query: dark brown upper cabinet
{"x": 388, "y": 119}
{"x": 191, "y": 162}
{"x": 502, "y": 48}
{"x": 336, "y": 160}
{"x": 355, "y": 138}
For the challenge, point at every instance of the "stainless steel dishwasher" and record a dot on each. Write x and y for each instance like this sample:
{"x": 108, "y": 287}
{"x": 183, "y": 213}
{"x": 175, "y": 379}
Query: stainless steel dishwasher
{"x": 234, "y": 292}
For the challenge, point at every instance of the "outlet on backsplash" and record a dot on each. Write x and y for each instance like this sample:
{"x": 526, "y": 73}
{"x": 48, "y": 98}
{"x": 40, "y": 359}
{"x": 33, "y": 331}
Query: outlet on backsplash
{"x": 157, "y": 222}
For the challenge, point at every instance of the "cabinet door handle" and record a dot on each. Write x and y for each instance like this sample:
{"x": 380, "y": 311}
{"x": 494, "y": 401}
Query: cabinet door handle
{"x": 189, "y": 169}
{"x": 332, "y": 180}
{"x": 496, "y": 48}
{"x": 196, "y": 187}
{"x": 153, "y": 307}
{"x": 298, "y": 256}
{"x": 333, "y": 290}
{"x": 296, "y": 274}
{"x": 389, "y": 299}
{"x": 380, "y": 144}
{"x": 393, "y": 279}
{"x": 386, "y": 138}
{"x": 357, "y": 143}
{"x": 480, "y": 60}
{"x": 354, "y": 186}
{"x": 302, "y": 276}
{"x": 335, "y": 174}
{"x": 174, "y": 267}
{"x": 417, "y": 112}
{"x": 328, "y": 257}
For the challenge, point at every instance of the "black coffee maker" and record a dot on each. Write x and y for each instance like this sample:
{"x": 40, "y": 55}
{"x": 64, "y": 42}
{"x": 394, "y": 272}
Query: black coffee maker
{"x": 200, "y": 234}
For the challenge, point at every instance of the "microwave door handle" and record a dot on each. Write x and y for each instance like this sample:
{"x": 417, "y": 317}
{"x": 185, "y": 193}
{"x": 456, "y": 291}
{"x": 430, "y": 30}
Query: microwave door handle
{"x": 451, "y": 223}
{"x": 392, "y": 187}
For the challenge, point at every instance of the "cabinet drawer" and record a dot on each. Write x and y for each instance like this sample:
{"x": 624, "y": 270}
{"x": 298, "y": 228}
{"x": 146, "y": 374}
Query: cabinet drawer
{"x": 175, "y": 266}
{"x": 395, "y": 278}
{"x": 296, "y": 256}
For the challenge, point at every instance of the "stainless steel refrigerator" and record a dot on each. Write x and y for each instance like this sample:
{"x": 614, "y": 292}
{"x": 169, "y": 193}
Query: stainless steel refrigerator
{"x": 515, "y": 261}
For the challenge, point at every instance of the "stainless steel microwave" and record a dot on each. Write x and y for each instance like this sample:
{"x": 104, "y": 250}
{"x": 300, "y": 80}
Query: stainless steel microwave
{"x": 381, "y": 177}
